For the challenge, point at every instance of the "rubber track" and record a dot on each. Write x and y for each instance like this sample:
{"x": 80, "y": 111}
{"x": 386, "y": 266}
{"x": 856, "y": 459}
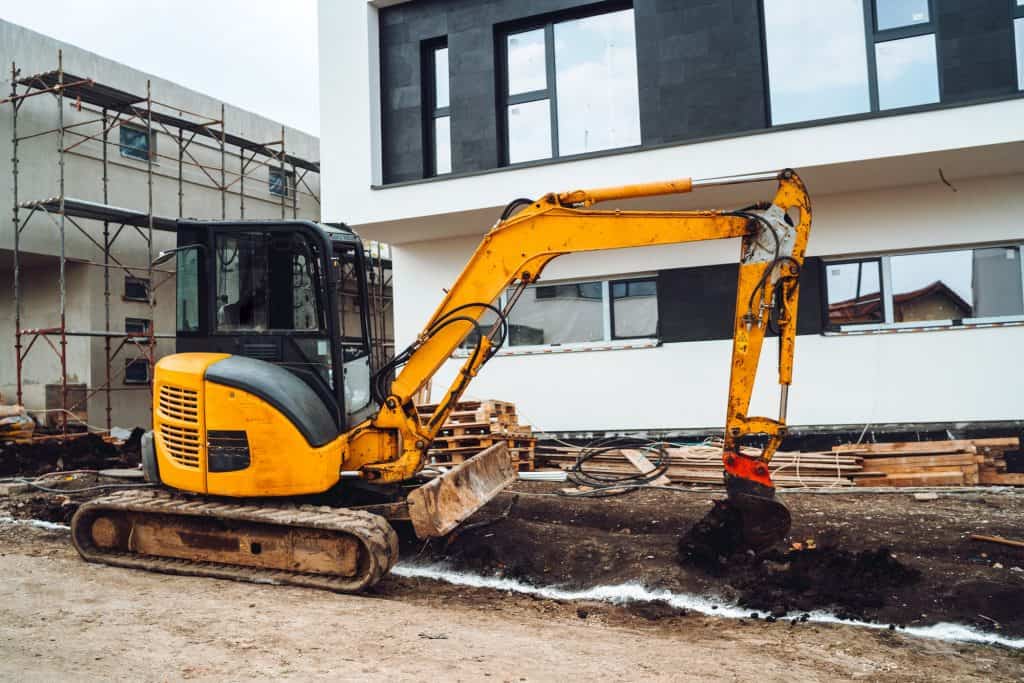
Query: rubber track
{"x": 377, "y": 537}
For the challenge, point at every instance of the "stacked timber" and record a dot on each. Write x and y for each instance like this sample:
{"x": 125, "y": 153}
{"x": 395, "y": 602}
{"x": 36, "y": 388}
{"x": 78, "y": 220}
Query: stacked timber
{"x": 702, "y": 464}
{"x": 964, "y": 462}
{"x": 476, "y": 425}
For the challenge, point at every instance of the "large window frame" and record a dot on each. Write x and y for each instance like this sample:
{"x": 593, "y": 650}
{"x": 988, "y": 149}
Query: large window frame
{"x": 432, "y": 112}
{"x": 887, "y": 293}
{"x": 550, "y": 92}
{"x": 873, "y": 36}
{"x": 876, "y": 36}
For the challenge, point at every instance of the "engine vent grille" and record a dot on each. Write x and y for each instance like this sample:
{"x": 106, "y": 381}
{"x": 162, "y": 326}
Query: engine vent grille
{"x": 182, "y": 444}
{"x": 177, "y": 403}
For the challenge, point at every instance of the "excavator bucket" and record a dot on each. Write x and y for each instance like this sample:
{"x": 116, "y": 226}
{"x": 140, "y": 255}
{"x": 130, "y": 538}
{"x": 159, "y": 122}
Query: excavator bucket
{"x": 743, "y": 521}
{"x": 439, "y": 506}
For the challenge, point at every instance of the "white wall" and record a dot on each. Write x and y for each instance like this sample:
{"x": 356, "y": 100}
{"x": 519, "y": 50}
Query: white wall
{"x": 910, "y": 377}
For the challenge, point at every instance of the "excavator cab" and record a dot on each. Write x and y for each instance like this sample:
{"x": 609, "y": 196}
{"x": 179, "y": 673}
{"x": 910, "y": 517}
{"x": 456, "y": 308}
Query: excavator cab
{"x": 291, "y": 293}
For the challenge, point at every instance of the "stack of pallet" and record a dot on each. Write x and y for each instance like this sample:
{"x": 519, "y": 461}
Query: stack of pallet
{"x": 475, "y": 425}
{"x": 703, "y": 465}
{"x": 968, "y": 462}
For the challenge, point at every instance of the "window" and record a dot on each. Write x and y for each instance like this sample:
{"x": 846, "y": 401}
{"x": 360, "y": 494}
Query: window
{"x": 438, "y": 124}
{"x": 137, "y": 327}
{"x": 940, "y": 287}
{"x": 188, "y": 290}
{"x": 266, "y": 282}
{"x": 905, "y": 60}
{"x": 578, "y": 312}
{"x": 136, "y": 288}
{"x": 136, "y": 371}
{"x": 135, "y": 144}
{"x": 817, "y": 63}
{"x": 1018, "y": 39}
{"x": 571, "y": 87}
{"x": 281, "y": 183}
{"x": 854, "y": 292}
{"x": 634, "y": 309}
{"x": 818, "y": 66}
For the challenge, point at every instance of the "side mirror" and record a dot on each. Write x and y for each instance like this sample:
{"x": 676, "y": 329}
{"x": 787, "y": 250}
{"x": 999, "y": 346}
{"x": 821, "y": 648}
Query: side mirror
{"x": 163, "y": 257}
{"x": 166, "y": 255}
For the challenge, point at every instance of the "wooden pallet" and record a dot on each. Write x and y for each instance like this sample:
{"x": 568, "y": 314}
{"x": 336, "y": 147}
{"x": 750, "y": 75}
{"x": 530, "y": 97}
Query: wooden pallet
{"x": 473, "y": 426}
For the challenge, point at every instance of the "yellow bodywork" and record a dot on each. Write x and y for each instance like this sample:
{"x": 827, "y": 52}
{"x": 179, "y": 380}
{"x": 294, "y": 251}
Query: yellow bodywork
{"x": 282, "y": 462}
{"x": 391, "y": 446}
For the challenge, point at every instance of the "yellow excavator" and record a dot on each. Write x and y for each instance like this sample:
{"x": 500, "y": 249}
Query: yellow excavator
{"x": 271, "y": 431}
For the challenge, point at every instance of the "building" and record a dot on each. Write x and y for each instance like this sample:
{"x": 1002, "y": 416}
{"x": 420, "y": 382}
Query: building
{"x": 905, "y": 118}
{"x": 119, "y": 146}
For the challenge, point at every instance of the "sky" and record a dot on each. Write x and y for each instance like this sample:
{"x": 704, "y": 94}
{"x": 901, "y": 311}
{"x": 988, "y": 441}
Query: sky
{"x": 259, "y": 55}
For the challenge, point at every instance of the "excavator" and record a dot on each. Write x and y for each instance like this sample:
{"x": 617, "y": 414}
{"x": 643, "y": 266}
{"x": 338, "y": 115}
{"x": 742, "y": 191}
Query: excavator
{"x": 279, "y": 455}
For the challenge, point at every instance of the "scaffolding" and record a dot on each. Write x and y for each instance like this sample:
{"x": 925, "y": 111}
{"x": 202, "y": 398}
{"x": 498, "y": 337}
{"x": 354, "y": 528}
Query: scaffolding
{"x": 108, "y": 108}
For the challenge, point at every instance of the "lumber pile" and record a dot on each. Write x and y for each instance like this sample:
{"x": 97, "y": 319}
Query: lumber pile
{"x": 703, "y": 465}
{"x": 475, "y": 425}
{"x": 965, "y": 462}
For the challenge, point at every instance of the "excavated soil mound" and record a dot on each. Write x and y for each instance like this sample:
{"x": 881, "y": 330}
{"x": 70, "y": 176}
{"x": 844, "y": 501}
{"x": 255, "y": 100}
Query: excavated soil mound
{"x": 44, "y": 507}
{"x": 882, "y": 558}
{"x": 88, "y": 452}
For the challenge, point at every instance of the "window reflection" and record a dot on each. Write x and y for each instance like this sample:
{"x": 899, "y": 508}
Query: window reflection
{"x": 907, "y": 72}
{"x": 896, "y": 13}
{"x": 441, "y": 78}
{"x": 526, "y": 62}
{"x": 854, "y": 292}
{"x": 634, "y": 309}
{"x": 817, "y": 60}
{"x": 1018, "y": 29}
{"x": 596, "y": 83}
{"x": 442, "y": 145}
{"x": 558, "y": 314}
{"x": 529, "y": 131}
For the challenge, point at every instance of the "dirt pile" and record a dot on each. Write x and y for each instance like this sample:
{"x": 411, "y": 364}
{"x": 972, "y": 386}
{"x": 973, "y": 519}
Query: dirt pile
{"x": 44, "y": 507}
{"x": 87, "y": 452}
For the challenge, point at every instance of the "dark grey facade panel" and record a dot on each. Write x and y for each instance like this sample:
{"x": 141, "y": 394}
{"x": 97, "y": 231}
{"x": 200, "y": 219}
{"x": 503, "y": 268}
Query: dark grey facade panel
{"x": 700, "y": 69}
{"x": 976, "y": 51}
{"x": 699, "y": 304}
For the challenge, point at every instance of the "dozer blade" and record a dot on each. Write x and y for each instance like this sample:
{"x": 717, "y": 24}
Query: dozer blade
{"x": 442, "y": 504}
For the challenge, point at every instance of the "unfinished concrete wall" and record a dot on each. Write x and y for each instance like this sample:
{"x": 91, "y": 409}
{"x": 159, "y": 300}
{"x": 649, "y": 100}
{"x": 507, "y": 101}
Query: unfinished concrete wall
{"x": 127, "y": 187}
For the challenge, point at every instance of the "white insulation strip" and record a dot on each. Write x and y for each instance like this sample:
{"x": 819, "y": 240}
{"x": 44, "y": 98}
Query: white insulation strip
{"x": 38, "y": 523}
{"x": 634, "y": 592}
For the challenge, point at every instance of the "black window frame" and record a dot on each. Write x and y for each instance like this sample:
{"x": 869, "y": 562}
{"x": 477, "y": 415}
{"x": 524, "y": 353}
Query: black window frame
{"x": 136, "y": 362}
{"x": 874, "y": 36}
{"x": 132, "y": 321}
{"x": 550, "y": 93}
{"x": 611, "y": 308}
{"x": 132, "y": 280}
{"x": 1016, "y": 14}
{"x": 431, "y": 112}
{"x": 827, "y": 324}
{"x": 128, "y": 152}
{"x": 289, "y": 181}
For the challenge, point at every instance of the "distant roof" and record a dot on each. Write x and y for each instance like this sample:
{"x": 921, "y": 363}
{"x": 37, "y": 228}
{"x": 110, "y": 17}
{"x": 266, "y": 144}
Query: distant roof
{"x": 99, "y": 95}
{"x": 871, "y": 303}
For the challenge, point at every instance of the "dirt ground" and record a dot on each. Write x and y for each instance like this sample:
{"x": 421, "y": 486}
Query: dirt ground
{"x": 61, "y": 616}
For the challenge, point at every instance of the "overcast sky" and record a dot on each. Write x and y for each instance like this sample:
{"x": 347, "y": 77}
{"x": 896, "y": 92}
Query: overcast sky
{"x": 255, "y": 54}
